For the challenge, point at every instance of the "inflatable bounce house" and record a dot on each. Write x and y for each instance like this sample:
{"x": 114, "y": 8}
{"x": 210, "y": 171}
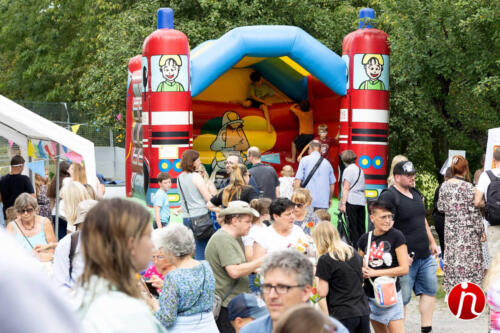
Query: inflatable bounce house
{"x": 179, "y": 99}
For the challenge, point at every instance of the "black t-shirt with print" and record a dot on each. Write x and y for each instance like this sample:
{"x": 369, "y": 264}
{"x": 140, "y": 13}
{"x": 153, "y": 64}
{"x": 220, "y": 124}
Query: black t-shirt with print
{"x": 246, "y": 194}
{"x": 382, "y": 253}
{"x": 346, "y": 298}
{"x": 409, "y": 218}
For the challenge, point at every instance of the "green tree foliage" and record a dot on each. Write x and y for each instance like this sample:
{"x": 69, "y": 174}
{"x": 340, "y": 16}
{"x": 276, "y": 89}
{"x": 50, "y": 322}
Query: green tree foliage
{"x": 444, "y": 77}
{"x": 444, "y": 57}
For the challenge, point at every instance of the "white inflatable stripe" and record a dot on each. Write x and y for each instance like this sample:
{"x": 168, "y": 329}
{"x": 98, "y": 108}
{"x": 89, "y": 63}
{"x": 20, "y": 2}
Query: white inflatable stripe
{"x": 370, "y": 116}
{"x": 172, "y": 118}
{"x": 368, "y": 143}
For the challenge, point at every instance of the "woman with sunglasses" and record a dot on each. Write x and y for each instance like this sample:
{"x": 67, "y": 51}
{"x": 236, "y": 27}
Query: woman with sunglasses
{"x": 304, "y": 214}
{"x": 33, "y": 231}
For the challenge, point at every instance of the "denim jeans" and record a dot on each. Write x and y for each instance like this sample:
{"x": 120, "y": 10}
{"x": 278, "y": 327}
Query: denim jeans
{"x": 200, "y": 245}
{"x": 421, "y": 279}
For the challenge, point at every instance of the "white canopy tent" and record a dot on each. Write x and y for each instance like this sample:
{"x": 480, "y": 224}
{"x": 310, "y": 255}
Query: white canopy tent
{"x": 20, "y": 125}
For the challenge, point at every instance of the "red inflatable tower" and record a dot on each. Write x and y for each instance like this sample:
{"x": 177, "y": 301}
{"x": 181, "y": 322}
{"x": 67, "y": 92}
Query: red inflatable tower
{"x": 364, "y": 114}
{"x": 166, "y": 102}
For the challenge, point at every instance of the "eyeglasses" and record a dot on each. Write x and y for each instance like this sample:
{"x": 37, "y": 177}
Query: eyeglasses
{"x": 158, "y": 258}
{"x": 298, "y": 205}
{"x": 22, "y": 211}
{"x": 387, "y": 217}
{"x": 279, "y": 288}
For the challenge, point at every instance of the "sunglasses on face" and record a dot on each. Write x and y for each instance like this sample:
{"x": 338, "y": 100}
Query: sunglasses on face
{"x": 299, "y": 205}
{"x": 26, "y": 210}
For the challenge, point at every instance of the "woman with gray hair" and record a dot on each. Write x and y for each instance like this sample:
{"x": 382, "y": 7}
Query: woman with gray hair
{"x": 187, "y": 297}
{"x": 34, "y": 232}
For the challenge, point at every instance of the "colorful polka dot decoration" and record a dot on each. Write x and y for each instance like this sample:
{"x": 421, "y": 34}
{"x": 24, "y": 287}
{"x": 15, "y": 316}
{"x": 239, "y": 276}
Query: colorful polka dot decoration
{"x": 167, "y": 165}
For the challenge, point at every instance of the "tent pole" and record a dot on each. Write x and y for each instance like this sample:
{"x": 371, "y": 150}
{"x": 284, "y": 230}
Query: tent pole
{"x": 57, "y": 190}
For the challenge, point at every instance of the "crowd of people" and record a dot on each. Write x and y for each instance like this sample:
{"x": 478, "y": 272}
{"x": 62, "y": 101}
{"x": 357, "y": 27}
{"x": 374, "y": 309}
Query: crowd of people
{"x": 255, "y": 252}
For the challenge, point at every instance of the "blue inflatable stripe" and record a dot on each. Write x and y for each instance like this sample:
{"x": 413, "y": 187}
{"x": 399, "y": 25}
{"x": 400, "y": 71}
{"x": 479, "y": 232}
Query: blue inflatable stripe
{"x": 210, "y": 60}
{"x": 283, "y": 77}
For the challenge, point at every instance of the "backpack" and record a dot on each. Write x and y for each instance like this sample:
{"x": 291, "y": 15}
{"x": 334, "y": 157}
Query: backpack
{"x": 492, "y": 206}
{"x": 72, "y": 249}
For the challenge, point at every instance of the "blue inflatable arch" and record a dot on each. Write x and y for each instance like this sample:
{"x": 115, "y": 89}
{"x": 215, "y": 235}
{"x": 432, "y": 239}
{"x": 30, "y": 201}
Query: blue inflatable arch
{"x": 211, "y": 59}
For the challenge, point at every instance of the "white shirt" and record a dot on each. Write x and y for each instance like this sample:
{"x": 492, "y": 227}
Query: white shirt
{"x": 61, "y": 263}
{"x": 254, "y": 233}
{"x": 484, "y": 181}
{"x": 104, "y": 309}
{"x": 29, "y": 303}
{"x": 272, "y": 241}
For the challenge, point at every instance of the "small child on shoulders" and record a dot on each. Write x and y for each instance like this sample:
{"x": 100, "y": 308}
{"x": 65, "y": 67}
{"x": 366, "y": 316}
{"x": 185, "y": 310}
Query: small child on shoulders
{"x": 286, "y": 182}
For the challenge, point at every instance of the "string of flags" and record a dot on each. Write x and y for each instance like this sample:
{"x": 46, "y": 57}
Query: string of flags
{"x": 41, "y": 150}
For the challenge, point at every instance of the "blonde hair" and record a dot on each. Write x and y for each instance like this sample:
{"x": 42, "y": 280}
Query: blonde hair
{"x": 79, "y": 173}
{"x": 367, "y": 57}
{"x": 105, "y": 243}
{"x": 327, "y": 240}
{"x": 233, "y": 190}
{"x": 39, "y": 181}
{"x": 205, "y": 173}
{"x": 175, "y": 58}
{"x": 493, "y": 273}
{"x": 395, "y": 160}
{"x": 322, "y": 127}
{"x": 302, "y": 195}
{"x": 73, "y": 193}
{"x": 287, "y": 171}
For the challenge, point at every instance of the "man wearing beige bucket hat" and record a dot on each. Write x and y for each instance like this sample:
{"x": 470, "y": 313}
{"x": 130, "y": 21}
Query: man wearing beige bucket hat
{"x": 68, "y": 261}
{"x": 226, "y": 255}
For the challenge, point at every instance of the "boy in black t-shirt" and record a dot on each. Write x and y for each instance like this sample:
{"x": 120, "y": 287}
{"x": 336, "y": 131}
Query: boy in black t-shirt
{"x": 386, "y": 255}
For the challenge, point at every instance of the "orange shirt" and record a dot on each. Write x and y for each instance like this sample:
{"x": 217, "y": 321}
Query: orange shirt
{"x": 306, "y": 120}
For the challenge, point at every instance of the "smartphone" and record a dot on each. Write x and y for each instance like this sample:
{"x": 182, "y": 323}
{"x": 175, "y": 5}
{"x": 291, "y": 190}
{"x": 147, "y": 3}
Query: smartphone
{"x": 152, "y": 289}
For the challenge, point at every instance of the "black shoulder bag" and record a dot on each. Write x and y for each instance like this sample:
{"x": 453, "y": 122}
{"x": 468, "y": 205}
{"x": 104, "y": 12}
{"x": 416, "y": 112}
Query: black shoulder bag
{"x": 309, "y": 176}
{"x": 202, "y": 225}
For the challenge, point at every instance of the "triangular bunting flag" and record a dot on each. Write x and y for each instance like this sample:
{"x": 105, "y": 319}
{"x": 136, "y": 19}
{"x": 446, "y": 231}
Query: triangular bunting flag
{"x": 75, "y": 128}
{"x": 65, "y": 149}
{"x": 47, "y": 149}
{"x": 40, "y": 150}
{"x": 10, "y": 143}
{"x": 54, "y": 148}
{"x": 37, "y": 167}
{"x": 74, "y": 157}
{"x": 31, "y": 149}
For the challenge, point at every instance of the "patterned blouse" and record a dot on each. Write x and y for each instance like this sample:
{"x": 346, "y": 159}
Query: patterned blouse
{"x": 309, "y": 221}
{"x": 186, "y": 291}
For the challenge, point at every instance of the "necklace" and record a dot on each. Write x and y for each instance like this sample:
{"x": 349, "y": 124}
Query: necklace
{"x": 28, "y": 229}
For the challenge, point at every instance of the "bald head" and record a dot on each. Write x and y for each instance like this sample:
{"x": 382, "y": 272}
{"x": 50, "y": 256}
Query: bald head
{"x": 315, "y": 145}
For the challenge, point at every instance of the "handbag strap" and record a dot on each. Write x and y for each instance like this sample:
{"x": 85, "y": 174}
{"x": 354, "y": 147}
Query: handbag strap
{"x": 182, "y": 193}
{"x": 316, "y": 166}
{"x": 22, "y": 233}
{"x": 230, "y": 290}
{"x": 368, "y": 247}
{"x": 368, "y": 255}
{"x": 359, "y": 175}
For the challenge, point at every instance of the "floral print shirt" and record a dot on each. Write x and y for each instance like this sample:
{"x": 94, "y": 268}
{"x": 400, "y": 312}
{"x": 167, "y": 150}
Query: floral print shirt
{"x": 309, "y": 221}
{"x": 186, "y": 291}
